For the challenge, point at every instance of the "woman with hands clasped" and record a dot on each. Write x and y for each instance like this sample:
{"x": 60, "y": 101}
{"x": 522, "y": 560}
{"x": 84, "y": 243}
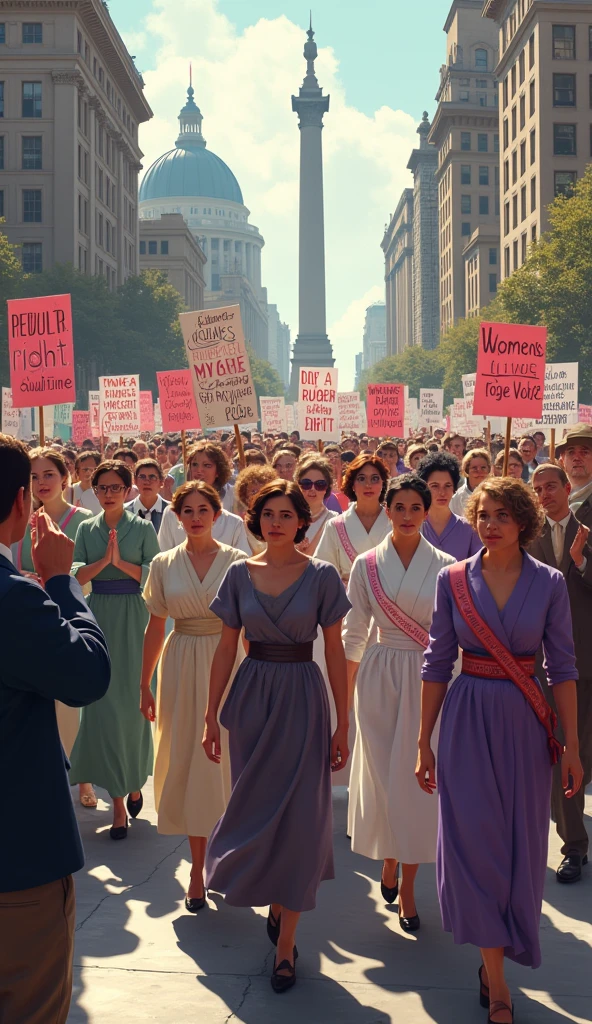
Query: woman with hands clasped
{"x": 274, "y": 845}
{"x": 113, "y": 551}
{"x": 496, "y": 745}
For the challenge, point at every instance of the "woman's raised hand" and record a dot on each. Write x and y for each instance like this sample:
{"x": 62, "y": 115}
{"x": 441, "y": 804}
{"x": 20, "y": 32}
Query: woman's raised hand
{"x": 211, "y": 741}
{"x": 425, "y": 772}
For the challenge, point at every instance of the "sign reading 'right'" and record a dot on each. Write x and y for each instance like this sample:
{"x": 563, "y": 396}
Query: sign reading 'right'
{"x": 510, "y": 371}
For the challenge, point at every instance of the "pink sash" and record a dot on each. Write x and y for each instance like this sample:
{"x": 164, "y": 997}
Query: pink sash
{"x": 404, "y": 622}
{"x": 346, "y": 543}
{"x": 62, "y": 526}
{"x": 501, "y": 654}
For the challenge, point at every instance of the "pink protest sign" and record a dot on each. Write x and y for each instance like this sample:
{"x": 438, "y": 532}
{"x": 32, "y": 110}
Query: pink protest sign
{"x": 585, "y": 414}
{"x": 80, "y": 425}
{"x": 41, "y": 351}
{"x": 510, "y": 371}
{"x": 146, "y": 411}
{"x": 177, "y": 401}
{"x": 385, "y": 410}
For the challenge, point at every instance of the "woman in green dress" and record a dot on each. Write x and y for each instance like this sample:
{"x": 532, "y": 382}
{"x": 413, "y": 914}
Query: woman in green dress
{"x": 49, "y": 481}
{"x": 113, "y": 551}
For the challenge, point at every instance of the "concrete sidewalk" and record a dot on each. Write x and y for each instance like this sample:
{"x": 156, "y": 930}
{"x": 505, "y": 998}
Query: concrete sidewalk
{"x": 141, "y": 957}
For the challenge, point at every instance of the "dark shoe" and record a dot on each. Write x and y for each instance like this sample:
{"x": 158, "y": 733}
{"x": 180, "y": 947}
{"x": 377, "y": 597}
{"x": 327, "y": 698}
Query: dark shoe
{"x": 570, "y": 869}
{"x": 497, "y": 1008}
{"x": 118, "y": 832}
{"x": 483, "y": 991}
{"x": 282, "y": 982}
{"x": 273, "y": 927}
{"x": 409, "y": 924}
{"x": 389, "y": 895}
{"x": 134, "y": 806}
{"x": 194, "y": 904}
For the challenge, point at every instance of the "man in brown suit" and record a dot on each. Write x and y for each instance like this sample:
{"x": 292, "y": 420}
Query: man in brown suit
{"x": 563, "y": 545}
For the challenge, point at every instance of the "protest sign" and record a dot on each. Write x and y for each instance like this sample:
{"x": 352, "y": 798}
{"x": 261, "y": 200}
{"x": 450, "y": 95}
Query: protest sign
{"x": 411, "y": 415}
{"x": 317, "y": 397}
{"x": 119, "y": 405}
{"x": 431, "y": 406}
{"x": 273, "y": 414}
{"x": 220, "y": 369}
{"x": 93, "y": 408}
{"x": 289, "y": 410}
{"x": 146, "y": 412}
{"x": 560, "y": 401}
{"x": 63, "y": 414}
{"x": 351, "y": 413}
{"x": 158, "y": 416}
{"x": 177, "y": 401}
{"x": 585, "y": 414}
{"x": 41, "y": 351}
{"x": 11, "y": 417}
{"x": 80, "y": 426}
{"x": 385, "y": 410}
{"x": 510, "y": 370}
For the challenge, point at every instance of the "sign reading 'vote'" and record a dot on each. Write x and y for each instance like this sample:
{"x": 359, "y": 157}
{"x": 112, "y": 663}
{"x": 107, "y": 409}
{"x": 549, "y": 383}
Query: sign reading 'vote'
{"x": 510, "y": 370}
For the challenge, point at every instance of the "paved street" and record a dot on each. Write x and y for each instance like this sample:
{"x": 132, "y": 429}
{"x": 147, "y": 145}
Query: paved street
{"x": 141, "y": 957}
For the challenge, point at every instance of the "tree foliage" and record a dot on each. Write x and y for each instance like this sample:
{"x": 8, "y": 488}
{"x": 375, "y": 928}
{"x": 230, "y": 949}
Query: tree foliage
{"x": 415, "y": 366}
{"x": 266, "y": 379}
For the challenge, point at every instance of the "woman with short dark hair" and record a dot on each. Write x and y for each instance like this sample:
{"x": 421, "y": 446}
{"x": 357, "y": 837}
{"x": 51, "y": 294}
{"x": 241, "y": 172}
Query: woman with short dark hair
{"x": 394, "y": 585}
{"x": 442, "y": 528}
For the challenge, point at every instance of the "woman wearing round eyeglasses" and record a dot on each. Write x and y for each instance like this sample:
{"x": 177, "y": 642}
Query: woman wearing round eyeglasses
{"x": 315, "y": 479}
{"x": 113, "y": 551}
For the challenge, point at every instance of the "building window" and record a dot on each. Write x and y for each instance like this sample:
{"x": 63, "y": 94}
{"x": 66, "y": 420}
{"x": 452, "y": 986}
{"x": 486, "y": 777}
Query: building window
{"x": 506, "y": 218}
{"x": 1, "y": 99}
{"x": 533, "y": 146}
{"x": 152, "y": 248}
{"x": 514, "y": 167}
{"x": 493, "y": 257}
{"x": 524, "y": 243}
{"x": 515, "y": 254}
{"x": 564, "y": 90}
{"x": 533, "y": 233}
{"x": 32, "y": 157}
{"x": 1, "y": 202}
{"x": 522, "y": 67}
{"x": 484, "y": 206}
{"x": 496, "y": 143}
{"x": 533, "y": 195}
{"x": 493, "y": 283}
{"x": 523, "y": 209}
{"x": 483, "y": 175}
{"x": 32, "y": 32}
{"x": 506, "y": 134}
{"x": 465, "y": 174}
{"x": 465, "y": 229}
{"x": 142, "y": 248}
{"x": 481, "y": 60}
{"x": 505, "y": 92}
{"x": 531, "y": 52}
{"x": 482, "y": 143}
{"x": 2, "y": 33}
{"x": 506, "y": 175}
{"x": 465, "y": 204}
{"x": 465, "y": 140}
{"x": 32, "y": 206}
{"x": 507, "y": 261}
{"x": 32, "y": 99}
{"x": 564, "y": 42}
{"x": 32, "y": 257}
{"x": 164, "y": 248}
{"x": 564, "y": 182}
{"x": 523, "y": 157}
{"x": 463, "y": 96}
{"x": 514, "y": 123}
{"x": 515, "y": 211}
{"x": 497, "y": 205}
{"x": 522, "y": 111}
{"x": 532, "y": 98}
{"x": 513, "y": 80}
{"x": 564, "y": 139}
{"x": 496, "y": 178}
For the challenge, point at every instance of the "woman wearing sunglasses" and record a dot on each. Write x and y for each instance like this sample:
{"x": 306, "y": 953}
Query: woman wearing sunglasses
{"x": 315, "y": 479}
{"x": 113, "y": 551}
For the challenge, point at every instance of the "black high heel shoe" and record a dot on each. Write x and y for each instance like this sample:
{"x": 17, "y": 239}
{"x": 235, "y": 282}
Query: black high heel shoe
{"x": 273, "y": 931}
{"x": 409, "y": 924}
{"x": 282, "y": 982}
{"x": 483, "y": 990}
{"x": 389, "y": 895}
{"x": 195, "y": 903}
{"x": 496, "y": 1007}
{"x": 134, "y": 806}
{"x": 118, "y": 831}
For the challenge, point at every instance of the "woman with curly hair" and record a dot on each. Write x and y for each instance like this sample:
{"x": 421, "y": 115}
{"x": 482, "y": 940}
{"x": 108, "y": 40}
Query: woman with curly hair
{"x": 496, "y": 744}
{"x": 475, "y": 468}
{"x": 247, "y": 486}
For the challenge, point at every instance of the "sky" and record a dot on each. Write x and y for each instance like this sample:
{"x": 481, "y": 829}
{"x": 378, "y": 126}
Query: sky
{"x": 379, "y": 61}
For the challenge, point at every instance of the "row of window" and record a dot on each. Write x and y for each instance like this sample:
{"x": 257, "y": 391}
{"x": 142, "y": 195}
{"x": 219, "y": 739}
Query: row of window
{"x": 513, "y": 207}
{"x": 153, "y": 248}
{"x": 519, "y": 252}
{"x": 32, "y": 32}
{"x": 31, "y": 105}
{"x": 484, "y": 174}
{"x": 466, "y": 142}
{"x": 31, "y": 153}
{"x": 521, "y": 112}
{"x": 564, "y": 42}
{"x": 32, "y": 211}
{"x": 105, "y": 83}
{"x": 466, "y": 204}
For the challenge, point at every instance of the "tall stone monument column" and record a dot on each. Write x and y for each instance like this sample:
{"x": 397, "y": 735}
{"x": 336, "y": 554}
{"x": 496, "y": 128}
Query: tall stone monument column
{"x": 312, "y": 346}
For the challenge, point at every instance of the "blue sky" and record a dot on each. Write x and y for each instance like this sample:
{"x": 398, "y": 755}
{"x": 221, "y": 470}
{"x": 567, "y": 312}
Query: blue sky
{"x": 379, "y": 61}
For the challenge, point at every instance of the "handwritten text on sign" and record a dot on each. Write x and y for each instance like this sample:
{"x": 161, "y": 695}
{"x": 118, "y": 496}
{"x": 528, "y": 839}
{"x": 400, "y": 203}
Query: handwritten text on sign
{"x": 510, "y": 370}
{"x": 317, "y": 397}
{"x": 177, "y": 400}
{"x": 146, "y": 411}
{"x": 219, "y": 364}
{"x": 119, "y": 405}
{"x": 41, "y": 351}
{"x": 80, "y": 426}
{"x": 430, "y": 407}
{"x": 273, "y": 414}
{"x": 385, "y": 410}
{"x": 351, "y": 411}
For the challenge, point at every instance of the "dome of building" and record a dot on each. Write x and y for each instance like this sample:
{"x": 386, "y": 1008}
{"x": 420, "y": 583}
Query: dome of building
{"x": 190, "y": 169}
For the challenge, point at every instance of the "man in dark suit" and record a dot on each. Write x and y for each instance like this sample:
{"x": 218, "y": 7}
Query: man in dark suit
{"x": 150, "y": 505}
{"x": 52, "y": 649}
{"x": 563, "y": 544}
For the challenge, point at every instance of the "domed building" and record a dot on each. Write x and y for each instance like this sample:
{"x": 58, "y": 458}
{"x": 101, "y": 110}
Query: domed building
{"x": 193, "y": 181}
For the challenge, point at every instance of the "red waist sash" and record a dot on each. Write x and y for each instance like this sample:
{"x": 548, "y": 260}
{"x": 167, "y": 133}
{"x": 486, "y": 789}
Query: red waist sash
{"x": 510, "y": 666}
{"x": 477, "y": 665}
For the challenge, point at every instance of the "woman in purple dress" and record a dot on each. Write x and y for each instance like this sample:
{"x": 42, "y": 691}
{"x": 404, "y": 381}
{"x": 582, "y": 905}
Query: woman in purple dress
{"x": 445, "y": 530}
{"x": 494, "y": 768}
{"x": 274, "y": 843}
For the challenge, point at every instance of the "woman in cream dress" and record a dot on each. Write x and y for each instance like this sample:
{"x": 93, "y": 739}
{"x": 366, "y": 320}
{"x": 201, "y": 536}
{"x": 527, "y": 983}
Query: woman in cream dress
{"x": 386, "y": 820}
{"x": 190, "y": 792}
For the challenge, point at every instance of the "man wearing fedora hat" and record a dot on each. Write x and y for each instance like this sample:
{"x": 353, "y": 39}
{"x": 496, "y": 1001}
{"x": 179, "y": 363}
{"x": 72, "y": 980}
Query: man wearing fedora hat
{"x": 575, "y": 455}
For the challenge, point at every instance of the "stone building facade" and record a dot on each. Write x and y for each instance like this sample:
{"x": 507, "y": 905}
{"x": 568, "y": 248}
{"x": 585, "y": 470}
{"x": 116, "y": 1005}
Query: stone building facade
{"x": 426, "y": 314}
{"x": 167, "y": 244}
{"x": 397, "y": 245}
{"x": 374, "y": 340}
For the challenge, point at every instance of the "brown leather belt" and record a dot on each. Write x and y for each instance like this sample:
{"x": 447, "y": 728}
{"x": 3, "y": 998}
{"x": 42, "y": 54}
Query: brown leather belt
{"x": 280, "y": 652}
{"x": 480, "y": 665}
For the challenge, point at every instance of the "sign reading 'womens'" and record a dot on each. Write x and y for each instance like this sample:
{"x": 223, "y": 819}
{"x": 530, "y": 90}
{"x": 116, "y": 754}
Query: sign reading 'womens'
{"x": 510, "y": 371}
{"x": 41, "y": 351}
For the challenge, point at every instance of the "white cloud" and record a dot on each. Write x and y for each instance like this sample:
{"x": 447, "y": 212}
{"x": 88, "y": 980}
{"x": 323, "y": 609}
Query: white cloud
{"x": 243, "y": 83}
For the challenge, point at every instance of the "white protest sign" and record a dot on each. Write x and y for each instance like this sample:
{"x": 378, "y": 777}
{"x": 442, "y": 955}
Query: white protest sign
{"x": 63, "y": 414}
{"x": 560, "y": 401}
{"x": 93, "y": 411}
{"x": 431, "y": 403}
{"x": 411, "y": 415}
{"x": 157, "y": 418}
{"x": 351, "y": 412}
{"x": 289, "y": 410}
{"x": 220, "y": 367}
{"x": 119, "y": 405}
{"x": 48, "y": 420}
{"x": 11, "y": 417}
{"x": 273, "y": 415}
{"x": 317, "y": 398}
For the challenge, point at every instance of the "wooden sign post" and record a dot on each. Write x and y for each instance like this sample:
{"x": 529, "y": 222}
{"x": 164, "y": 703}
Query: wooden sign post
{"x": 41, "y": 427}
{"x": 507, "y": 445}
{"x": 239, "y": 446}
{"x": 552, "y": 445}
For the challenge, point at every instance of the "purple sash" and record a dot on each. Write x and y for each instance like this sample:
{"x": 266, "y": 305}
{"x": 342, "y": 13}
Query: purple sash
{"x": 128, "y": 586}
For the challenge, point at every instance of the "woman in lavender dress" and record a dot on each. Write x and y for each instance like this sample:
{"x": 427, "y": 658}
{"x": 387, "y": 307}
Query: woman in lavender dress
{"x": 445, "y": 530}
{"x": 274, "y": 843}
{"x": 494, "y": 769}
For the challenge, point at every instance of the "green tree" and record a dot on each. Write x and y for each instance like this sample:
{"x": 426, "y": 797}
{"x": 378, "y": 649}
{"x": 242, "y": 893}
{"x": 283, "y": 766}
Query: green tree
{"x": 11, "y": 281}
{"x": 457, "y": 352}
{"x": 266, "y": 379}
{"x": 148, "y": 311}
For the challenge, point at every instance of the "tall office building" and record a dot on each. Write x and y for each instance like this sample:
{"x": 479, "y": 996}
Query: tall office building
{"x": 397, "y": 245}
{"x": 465, "y": 131}
{"x": 358, "y": 374}
{"x": 545, "y": 93}
{"x": 278, "y": 349}
{"x": 167, "y": 244}
{"x": 374, "y": 340}
{"x": 424, "y": 165}
{"x": 71, "y": 101}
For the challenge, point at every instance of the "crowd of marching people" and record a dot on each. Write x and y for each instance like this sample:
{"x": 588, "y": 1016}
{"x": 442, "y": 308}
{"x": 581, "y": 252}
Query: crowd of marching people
{"x": 392, "y": 615}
